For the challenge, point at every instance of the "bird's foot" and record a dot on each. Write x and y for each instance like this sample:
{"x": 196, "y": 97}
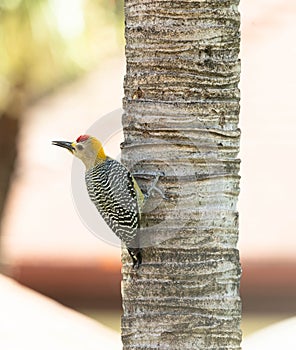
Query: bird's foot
{"x": 153, "y": 187}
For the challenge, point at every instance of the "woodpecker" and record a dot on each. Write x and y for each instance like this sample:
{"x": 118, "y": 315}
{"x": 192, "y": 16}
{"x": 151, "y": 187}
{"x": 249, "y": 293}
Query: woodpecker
{"x": 112, "y": 189}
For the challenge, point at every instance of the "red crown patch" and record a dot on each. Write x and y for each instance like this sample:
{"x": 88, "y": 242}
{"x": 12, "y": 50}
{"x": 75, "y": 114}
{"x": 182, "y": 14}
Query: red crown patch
{"x": 82, "y": 138}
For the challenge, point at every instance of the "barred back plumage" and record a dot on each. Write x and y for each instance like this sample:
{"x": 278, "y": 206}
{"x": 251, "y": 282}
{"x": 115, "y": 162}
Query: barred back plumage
{"x": 111, "y": 188}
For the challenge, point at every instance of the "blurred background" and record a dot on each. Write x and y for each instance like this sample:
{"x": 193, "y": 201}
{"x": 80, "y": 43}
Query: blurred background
{"x": 61, "y": 68}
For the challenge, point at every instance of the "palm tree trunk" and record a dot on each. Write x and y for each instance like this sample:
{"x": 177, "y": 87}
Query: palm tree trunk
{"x": 181, "y": 109}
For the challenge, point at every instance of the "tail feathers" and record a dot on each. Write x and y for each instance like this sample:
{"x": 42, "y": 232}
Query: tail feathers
{"x": 136, "y": 255}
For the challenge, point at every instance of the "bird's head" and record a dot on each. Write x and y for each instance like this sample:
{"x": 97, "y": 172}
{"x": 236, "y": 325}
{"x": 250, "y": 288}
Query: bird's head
{"x": 87, "y": 148}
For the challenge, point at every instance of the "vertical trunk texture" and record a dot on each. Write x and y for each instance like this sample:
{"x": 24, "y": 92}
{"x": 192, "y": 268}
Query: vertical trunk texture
{"x": 181, "y": 109}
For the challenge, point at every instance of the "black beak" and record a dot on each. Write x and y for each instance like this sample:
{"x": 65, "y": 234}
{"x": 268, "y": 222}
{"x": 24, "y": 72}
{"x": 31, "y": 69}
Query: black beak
{"x": 64, "y": 144}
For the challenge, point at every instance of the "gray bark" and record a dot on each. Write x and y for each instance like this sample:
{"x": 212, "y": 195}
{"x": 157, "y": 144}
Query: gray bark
{"x": 181, "y": 109}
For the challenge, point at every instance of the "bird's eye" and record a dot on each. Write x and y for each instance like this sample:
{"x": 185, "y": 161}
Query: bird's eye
{"x": 79, "y": 147}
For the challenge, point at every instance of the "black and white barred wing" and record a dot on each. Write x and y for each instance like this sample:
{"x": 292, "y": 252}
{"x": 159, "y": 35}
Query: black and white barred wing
{"x": 110, "y": 187}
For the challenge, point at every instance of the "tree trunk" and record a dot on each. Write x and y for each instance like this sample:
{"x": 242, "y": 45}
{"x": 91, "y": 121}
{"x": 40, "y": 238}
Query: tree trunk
{"x": 181, "y": 110}
{"x": 9, "y": 132}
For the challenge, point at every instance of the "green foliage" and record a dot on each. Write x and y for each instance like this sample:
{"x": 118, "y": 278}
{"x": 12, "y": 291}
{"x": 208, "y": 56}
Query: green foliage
{"x": 44, "y": 43}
